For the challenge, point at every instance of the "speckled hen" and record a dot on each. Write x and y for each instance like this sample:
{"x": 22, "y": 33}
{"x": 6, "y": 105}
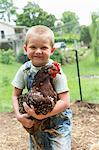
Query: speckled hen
{"x": 42, "y": 96}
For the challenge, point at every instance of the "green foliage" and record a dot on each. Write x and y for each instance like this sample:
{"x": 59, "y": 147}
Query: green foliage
{"x": 21, "y": 57}
{"x": 70, "y": 55}
{"x": 85, "y": 35}
{"x": 70, "y": 20}
{"x": 58, "y": 56}
{"x": 7, "y": 56}
{"x": 94, "y": 30}
{"x": 7, "y": 10}
{"x": 67, "y": 38}
{"x": 34, "y": 15}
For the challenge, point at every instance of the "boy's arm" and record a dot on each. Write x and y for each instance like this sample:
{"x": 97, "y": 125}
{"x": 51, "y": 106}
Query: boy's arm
{"x": 16, "y": 93}
{"x": 60, "y": 106}
{"x": 22, "y": 118}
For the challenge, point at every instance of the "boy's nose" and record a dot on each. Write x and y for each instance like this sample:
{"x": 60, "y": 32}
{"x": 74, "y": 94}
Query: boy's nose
{"x": 38, "y": 50}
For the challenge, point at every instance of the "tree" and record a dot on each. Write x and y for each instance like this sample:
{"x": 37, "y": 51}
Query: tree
{"x": 32, "y": 15}
{"x": 94, "y": 30}
{"x": 58, "y": 27}
{"x": 70, "y": 21}
{"x": 85, "y": 35}
{"x": 7, "y": 10}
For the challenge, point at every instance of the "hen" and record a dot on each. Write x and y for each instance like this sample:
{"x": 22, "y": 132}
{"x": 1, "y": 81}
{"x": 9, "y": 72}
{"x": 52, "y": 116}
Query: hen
{"x": 42, "y": 96}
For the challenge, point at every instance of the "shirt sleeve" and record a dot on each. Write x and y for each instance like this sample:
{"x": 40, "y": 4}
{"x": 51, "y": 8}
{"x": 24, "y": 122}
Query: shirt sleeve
{"x": 18, "y": 80}
{"x": 60, "y": 83}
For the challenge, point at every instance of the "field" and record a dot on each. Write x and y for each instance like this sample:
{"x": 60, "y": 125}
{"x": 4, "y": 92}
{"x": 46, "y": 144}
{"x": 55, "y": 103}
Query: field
{"x": 85, "y": 130}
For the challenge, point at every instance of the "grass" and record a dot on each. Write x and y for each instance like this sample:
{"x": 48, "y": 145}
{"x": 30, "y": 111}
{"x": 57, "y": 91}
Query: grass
{"x": 89, "y": 86}
{"x": 7, "y": 73}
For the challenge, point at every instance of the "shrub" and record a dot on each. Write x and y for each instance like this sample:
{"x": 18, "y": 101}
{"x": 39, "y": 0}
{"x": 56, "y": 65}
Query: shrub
{"x": 21, "y": 57}
{"x": 58, "y": 56}
{"x": 6, "y": 56}
{"x": 68, "y": 38}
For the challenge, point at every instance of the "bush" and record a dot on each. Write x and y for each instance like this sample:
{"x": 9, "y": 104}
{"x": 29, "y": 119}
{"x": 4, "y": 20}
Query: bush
{"x": 58, "y": 56}
{"x": 7, "y": 56}
{"x": 68, "y": 38}
{"x": 21, "y": 57}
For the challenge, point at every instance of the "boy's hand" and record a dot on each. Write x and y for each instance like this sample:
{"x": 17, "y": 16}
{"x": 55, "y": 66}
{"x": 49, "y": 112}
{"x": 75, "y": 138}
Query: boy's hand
{"x": 31, "y": 112}
{"x": 23, "y": 119}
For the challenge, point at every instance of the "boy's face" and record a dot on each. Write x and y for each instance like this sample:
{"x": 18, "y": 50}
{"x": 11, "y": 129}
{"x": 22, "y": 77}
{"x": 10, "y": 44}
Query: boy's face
{"x": 38, "y": 49}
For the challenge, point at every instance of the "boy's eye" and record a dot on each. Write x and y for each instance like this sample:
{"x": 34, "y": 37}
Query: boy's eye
{"x": 32, "y": 47}
{"x": 44, "y": 48}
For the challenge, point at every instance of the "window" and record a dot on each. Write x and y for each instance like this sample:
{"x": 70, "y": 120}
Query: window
{"x": 2, "y": 34}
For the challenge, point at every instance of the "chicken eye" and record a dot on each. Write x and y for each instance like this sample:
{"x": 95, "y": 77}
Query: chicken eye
{"x": 53, "y": 69}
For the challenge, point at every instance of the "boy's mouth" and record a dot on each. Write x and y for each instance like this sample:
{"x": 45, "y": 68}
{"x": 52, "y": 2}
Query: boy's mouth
{"x": 37, "y": 56}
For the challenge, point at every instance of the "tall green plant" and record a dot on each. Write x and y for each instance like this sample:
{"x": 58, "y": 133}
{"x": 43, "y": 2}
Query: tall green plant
{"x": 95, "y": 35}
{"x": 85, "y": 35}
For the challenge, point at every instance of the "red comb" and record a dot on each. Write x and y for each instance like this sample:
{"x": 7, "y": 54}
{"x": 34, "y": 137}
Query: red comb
{"x": 53, "y": 49}
{"x": 53, "y": 72}
{"x": 56, "y": 64}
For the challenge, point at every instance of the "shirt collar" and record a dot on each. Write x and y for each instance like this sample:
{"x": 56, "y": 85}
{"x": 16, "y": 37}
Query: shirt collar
{"x": 38, "y": 68}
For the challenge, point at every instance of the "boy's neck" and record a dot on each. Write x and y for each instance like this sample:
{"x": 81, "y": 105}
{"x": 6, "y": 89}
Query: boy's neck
{"x": 40, "y": 65}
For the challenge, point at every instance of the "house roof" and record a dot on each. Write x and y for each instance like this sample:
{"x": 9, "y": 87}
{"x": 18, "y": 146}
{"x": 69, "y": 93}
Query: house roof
{"x": 21, "y": 27}
{"x": 13, "y": 26}
{"x": 6, "y": 23}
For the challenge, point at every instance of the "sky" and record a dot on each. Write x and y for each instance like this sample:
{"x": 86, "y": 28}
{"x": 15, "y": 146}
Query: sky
{"x": 82, "y": 8}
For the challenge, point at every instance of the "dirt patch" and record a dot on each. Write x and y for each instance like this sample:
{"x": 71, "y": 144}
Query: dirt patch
{"x": 85, "y": 125}
{"x": 85, "y": 130}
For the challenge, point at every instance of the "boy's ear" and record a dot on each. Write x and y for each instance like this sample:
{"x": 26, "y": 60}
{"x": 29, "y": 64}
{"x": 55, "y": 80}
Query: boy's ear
{"x": 53, "y": 49}
{"x": 25, "y": 48}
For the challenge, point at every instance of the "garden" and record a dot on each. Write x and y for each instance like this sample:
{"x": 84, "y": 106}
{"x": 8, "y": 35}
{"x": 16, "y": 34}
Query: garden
{"x": 89, "y": 78}
{"x": 79, "y": 60}
{"x": 85, "y": 130}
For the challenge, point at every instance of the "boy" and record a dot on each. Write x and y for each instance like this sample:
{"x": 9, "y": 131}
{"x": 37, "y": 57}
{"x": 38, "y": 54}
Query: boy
{"x": 39, "y": 45}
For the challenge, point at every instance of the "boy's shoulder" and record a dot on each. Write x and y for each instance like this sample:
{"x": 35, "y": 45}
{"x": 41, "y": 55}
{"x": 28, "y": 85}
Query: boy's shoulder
{"x": 26, "y": 65}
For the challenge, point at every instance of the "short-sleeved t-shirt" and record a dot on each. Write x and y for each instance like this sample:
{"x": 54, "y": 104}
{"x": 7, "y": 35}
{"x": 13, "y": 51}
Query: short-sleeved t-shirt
{"x": 20, "y": 79}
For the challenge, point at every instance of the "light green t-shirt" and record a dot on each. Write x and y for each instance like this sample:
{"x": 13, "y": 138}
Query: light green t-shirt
{"x": 20, "y": 79}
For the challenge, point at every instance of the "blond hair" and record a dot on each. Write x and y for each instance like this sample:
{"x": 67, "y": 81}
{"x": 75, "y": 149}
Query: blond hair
{"x": 41, "y": 30}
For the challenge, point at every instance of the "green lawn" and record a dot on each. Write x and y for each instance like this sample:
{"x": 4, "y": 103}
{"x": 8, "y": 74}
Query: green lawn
{"x": 7, "y": 73}
{"x": 90, "y": 86}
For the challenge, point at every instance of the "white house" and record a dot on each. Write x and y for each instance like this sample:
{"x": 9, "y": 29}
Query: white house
{"x": 12, "y": 36}
{"x": 7, "y": 32}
